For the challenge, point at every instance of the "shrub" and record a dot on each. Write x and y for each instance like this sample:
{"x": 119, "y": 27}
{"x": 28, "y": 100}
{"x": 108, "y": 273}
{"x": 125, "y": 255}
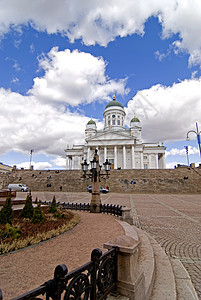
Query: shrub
{"x": 28, "y": 210}
{"x": 53, "y": 206}
{"x": 6, "y": 213}
{"x": 59, "y": 215}
{"x": 10, "y": 231}
{"x": 36, "y": 201}
{"x": 38, "y": 216}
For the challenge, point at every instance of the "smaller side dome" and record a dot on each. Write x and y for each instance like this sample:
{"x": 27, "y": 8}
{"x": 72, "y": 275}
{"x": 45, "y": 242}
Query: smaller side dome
{"x": 135, "y": 119}
{"x": 91, "y": 122}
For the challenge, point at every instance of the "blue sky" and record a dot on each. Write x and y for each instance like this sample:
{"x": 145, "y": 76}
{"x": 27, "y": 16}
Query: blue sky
{"x": 61, "y": 62}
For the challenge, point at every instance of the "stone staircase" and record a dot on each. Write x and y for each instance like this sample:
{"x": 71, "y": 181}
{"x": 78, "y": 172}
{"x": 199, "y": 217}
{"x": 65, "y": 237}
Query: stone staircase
{"x": 165, "y": 279}
{"x": 180, "y": 180}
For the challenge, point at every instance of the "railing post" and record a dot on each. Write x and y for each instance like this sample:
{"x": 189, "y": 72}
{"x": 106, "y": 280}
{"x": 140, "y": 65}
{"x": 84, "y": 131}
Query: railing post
{"x": 95, "y": 257}
{"x": 56, "y": 286}
{"x": 131, "y": 281}
{"x": 127, "y": 215}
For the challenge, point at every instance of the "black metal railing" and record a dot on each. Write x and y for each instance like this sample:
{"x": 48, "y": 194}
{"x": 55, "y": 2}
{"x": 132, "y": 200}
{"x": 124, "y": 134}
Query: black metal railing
{"x": 111, "y": 209}
{"x": 94, "y": 280}
{"x": 104, "y": 208}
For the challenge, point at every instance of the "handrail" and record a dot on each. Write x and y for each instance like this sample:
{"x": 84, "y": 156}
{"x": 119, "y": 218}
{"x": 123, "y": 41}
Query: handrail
{"x": 94, "y": 280}
{"x": 104, "y": 208}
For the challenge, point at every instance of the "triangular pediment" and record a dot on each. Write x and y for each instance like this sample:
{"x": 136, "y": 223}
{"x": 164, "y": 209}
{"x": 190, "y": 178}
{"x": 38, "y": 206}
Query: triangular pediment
{"x": 110, "y": 135}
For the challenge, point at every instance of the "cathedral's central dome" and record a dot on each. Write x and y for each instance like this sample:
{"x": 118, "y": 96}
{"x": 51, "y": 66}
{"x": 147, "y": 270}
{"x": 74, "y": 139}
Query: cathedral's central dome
{"x": 114, "y": 103}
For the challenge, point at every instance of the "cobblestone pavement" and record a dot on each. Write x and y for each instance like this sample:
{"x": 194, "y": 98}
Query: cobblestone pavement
{"x": 173, "y": 220}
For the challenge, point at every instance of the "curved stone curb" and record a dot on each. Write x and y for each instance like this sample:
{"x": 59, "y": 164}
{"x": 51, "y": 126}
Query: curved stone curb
{"x": 185, "y": 288}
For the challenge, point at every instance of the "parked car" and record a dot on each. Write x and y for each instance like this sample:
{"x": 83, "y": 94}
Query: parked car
{"x": 102, "y": 190}
{"x": 18, "y": 187}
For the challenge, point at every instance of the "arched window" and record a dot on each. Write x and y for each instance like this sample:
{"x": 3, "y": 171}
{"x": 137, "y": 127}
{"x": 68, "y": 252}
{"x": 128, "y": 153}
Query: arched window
{"x": 113, "y": 119}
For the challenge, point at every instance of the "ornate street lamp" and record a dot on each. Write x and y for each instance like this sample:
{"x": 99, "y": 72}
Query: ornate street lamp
{"x": 84, "y": 167}
{"x": 32, "y": 150}
{"x": 95, "y": 175}
{"x": 197, "y": 132}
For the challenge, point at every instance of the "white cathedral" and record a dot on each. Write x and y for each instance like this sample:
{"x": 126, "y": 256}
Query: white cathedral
{"x": 123, "y": 147}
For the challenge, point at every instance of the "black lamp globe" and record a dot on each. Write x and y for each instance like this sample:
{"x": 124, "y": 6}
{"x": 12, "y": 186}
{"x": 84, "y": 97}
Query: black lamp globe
{"x": 84, "y": 166}
{"x": 94, "y": 163}
{"x": 107, "y": 165}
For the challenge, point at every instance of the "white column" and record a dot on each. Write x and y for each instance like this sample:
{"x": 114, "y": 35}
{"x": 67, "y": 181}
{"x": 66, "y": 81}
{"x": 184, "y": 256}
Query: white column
{"x": 133, "y": 157}
{"x": 88, "y": 154}
{"x": 156, "y": 161}
{"x": 79, "y": 162}
{"x": 105, "y": 153}
{"x": 124, "y": 157}
{"x": 70, "y": 163}
{"x": 150, "y": 165}
{"x": 115, "y": 157}
{"x": 73, "y": 163}
{"x": 163, "y": 162}
{"x": 141, "y": 160}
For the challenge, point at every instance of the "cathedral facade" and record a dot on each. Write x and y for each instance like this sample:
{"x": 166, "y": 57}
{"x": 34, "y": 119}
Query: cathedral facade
{"x": 123, "y": 147}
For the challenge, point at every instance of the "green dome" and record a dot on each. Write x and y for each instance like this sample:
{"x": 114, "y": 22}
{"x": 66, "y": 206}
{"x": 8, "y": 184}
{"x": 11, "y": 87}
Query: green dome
{"x": 135, "y": 120}
{"x": 91, "y": 122}
{"x": 114, "y": 103}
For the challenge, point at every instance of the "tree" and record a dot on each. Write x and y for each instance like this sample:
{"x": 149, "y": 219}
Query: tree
{"x": 53, "y": 206}
{"x": 38, "y": 216}
{"x": 6, "y": 213}
{"x": 28, "y": 210}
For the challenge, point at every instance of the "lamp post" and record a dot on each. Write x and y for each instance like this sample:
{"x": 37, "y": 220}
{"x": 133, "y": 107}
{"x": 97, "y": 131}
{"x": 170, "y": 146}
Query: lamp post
{"x": 197, "y": 132}
{"x": 186, "y": 147}
{"x": 95, "y": 175}
{"x": 32, "y": 150}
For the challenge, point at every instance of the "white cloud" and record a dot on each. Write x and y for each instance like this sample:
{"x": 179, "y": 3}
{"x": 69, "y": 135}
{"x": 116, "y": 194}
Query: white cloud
{"x": 59, "y": 162}
{"x": 167, "y": 113}
{"x": 101, "y": 22}
{"x": 74, "y": 78}
{"x": 26, "y": 124}
{"x": 37, "y": 166}
{"x": 182, "y": 152}
{"x": 171, "y": 165}
{"x": 33, "y": 122}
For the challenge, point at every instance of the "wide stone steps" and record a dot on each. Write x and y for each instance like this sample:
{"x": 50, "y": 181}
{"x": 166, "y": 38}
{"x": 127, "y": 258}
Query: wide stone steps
{"x": 165, "y": 279}
{"x": 181, "y": 180}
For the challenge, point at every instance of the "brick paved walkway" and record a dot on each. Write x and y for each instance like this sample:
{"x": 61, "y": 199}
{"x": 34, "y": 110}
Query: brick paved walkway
{"x": 173, "y": 220}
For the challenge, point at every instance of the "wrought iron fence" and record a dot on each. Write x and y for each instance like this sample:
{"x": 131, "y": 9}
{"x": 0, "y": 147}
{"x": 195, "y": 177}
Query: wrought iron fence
{"x": 94, "y": 280}
{"x": 111, "y": 209}
{"x": 104, "y": 208}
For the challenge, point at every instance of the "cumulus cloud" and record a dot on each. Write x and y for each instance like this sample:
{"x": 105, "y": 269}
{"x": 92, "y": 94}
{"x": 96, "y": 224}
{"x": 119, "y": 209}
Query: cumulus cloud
{"x": 59, "y": 161}
{"x": 167, "y": 113}
{"x": 174, "y": 164}
{"x": 36, "y": 165}
{"x": 33, "y": 121}
{"x": 101, "y": 22}
{"x": 182, "y": 152}
{"x": 74, "y": 78}
{"x": 26, "y": 124}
